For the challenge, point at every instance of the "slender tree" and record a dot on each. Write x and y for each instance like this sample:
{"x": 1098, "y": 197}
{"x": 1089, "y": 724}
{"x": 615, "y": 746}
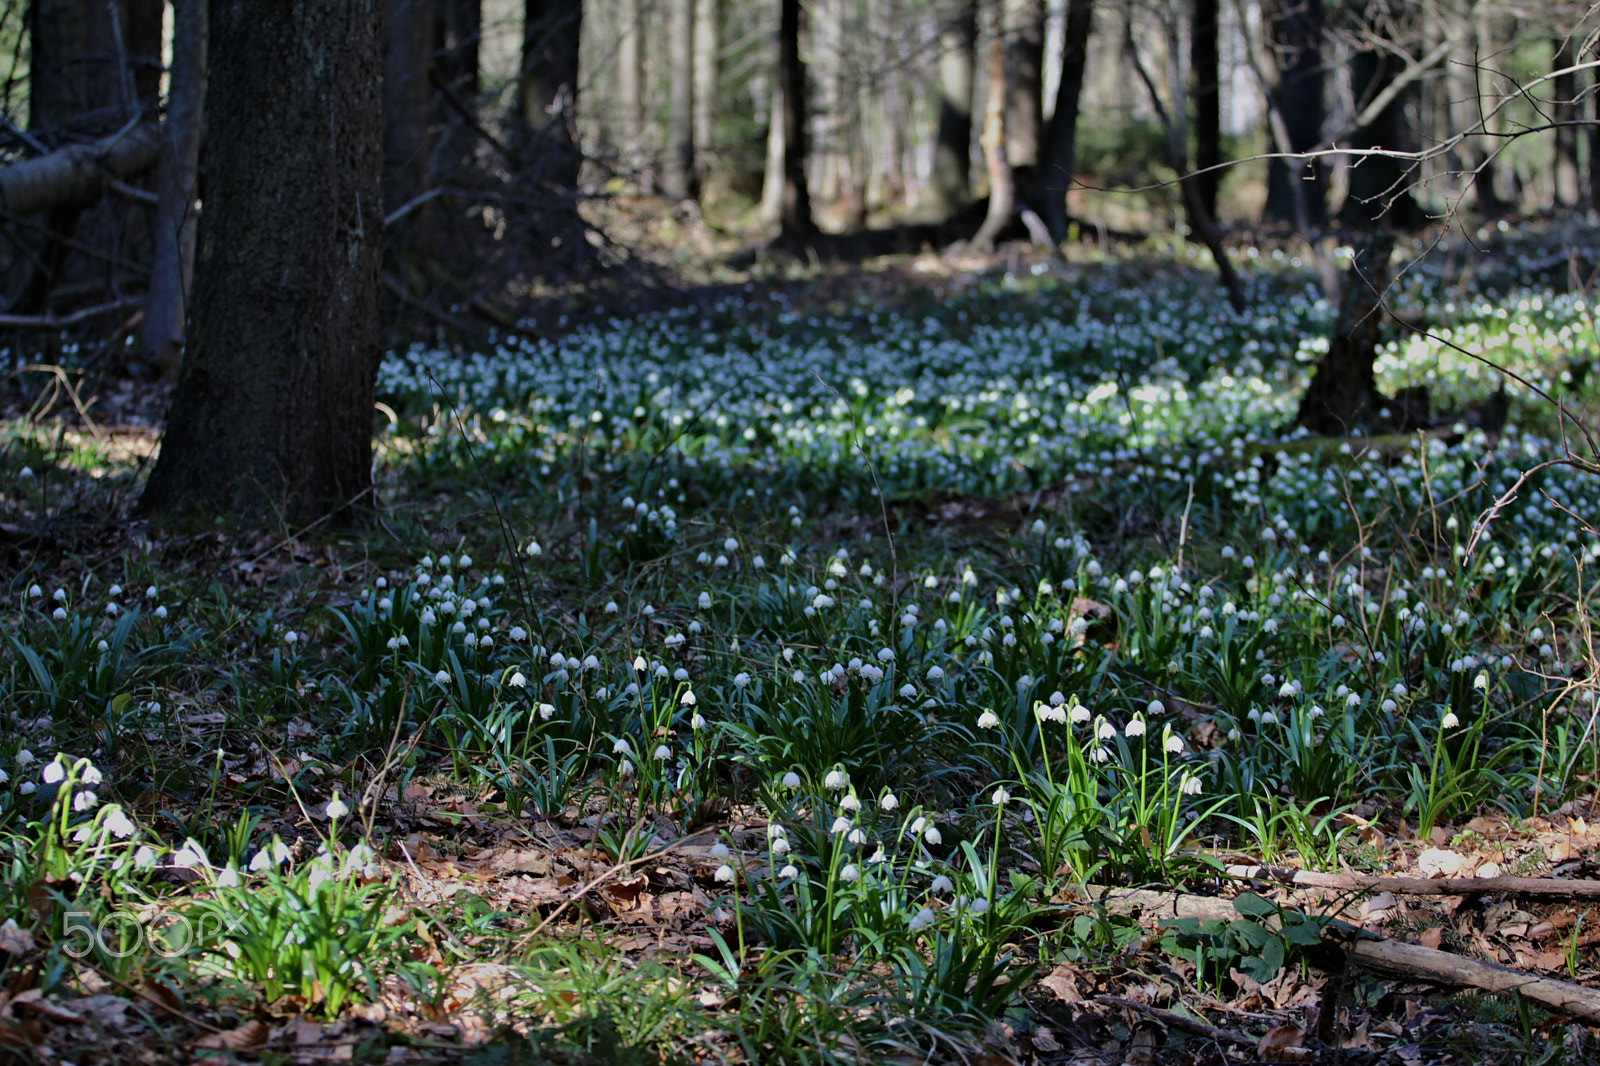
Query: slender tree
{"x": 1002, "y": 187}
{"x": 547, "y": 92}
{"x": 1061, "y": 136}
{"x": 1380, "y": 185}
{"x": 272, "y": 417}
{"x": 1024, "y": 60}
{"x": 707, "y": 67}
{"x": 1564, "y": 111}
{"x": 1296, "y": 28}
{"x": 177, "y": 177}
{"x": 797, "y": 226}
{"x": 1205, "y": 74}
{"x": 630, "y": 81}
{"x": 677, "y": 164}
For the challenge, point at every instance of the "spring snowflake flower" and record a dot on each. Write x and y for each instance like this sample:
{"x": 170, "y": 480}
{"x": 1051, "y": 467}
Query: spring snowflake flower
{"x": 850, "y": 874}
{"x": 546, "y": 710}
{"x": 119, "y": 824}
{"x": 620, "y": 747}
{"x": 1135, "y": 727}
{"x": 228, "y": 878}
{"x": 1481, "y": 682}
{"x": 662, "y": 752}
{"x": 988, "y": 720}
{"x": 850, "y": 803}
{"x": 53, "y": 773}
{"x": 724, "y": 875}
{"x": 1106, "y": 730}
{"x": 889, "y": 801}
{"x": 1449, "y": 721}
{"x": 941, "y": 885}
{"x": 442, "y": 678}
{"x": 932, "y": 835}
{"x": 25, "y": 757}
{"x": 857, "y": 837}
{"x": 836, "y": 779}
{"x": 697, "y": 722}
{"x": 518, "y": 680}
{"x": 791, "y": 780}
{"x": 780, "y": 846}
{"x": 144, "y": 857}
{"x": 788, "y": 873}
{"x": 1050, "y": 712}
{"x": 190, "y": 856}
{"x": 1100, "y": 755}
{"x": 979, "y": 906}
{"x": 1173, "y": 743}
{"x": 337, "y": 808}
{"x": 1000, "y": 797}
{"x": 841, "y": 824}
{"x": 921, "y": 920}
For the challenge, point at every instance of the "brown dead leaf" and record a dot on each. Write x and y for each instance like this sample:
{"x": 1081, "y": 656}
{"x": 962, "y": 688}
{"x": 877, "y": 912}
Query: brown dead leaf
{"x": 1431, "y": 938}
{"x": 1282, "y": 1043}
{"x": 1549, "y": 961}
{"x": 1561, "y": 851}
{"x": 1045, "y": 1041}
{"x": 1062, "y": 982}
{"x": 1439, "y": 862}
{"x": 15, "y": 940}
{"x": 252, "y": 1034}
{"x": 33, "y": 1002}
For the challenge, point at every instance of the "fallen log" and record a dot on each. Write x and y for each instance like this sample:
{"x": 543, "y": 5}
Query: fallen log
{"x": 1541, "y": 887}
{"x": 1412, "y": 961}
{"x": 76, "y": 176}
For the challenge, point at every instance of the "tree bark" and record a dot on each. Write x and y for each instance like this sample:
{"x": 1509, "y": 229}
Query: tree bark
{"x": 1297, "y": 32}
{"x": 1205, "y": 74}
{"x": 1594, "y": 144}
{"x": 1343, "y": 395}
{"x": 1002, "y": 190}
{"x": 93, "y": 63}
{"x": 1564, "y": 110}
{"x": 177, "y": 180}
{"x": 272, "y": 417}
{"x": 457, "y": 44}
{"x": 1380, "y": 185}
{"x": 1061, "y": 137}
{"x": 772, "y": 177}
{"x": 547, "y": 92}
{"x": 1024, "y": 119}
{"x": 796, "y": 225}
{"x": 630, "y": 81}
{"x": 950, "y": 187}
{"x": 677, "y": 165}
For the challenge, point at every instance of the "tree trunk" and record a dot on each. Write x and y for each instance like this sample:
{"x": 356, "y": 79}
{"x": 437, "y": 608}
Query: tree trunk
{"x": 1024, "y": 29}
{"x": 177, "y": 180}
{"x": 772, "y": 178}
{"x": 1343, "y": 395}
{"x": 142, "y": 43}
{"x": 1002, "y": 191}
{"x": 1296, "y": 33}
{"x": 677, "y": 165}
{"x": 951, "y": 186}
{"x": 1594, "y": 144}
{"x": 1061, "y": 138}
{"x": 1205, "y": 73}
{"x": 1565, "y": 112}
{"x": 630, "y": 82}
{"x": 707, "y": 49}
{"x": 93, "y": 63}
{"x": 547, "y": 93}
{"x": 1380, "y": 185}
{"x": 407, "y": 55}
{"x": 272, "y": 417}
{"x": 457, "y": 44}
{"x": 797, "y": 227}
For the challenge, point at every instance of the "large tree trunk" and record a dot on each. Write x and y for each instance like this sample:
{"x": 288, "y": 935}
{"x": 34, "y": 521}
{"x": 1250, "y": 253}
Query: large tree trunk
{"x": 630, "y": 82}
{"x": 177, "y": 178}
{"x": 707, "y": 49}
{"x": 1002, "y": 189}
{"x": 1024, "y": 118}
{"x": 272, "y": 417}
{"x": 1380, "y": 185}
{"x": 677, "y": 164}
{"x": 547, "y": 97}
{"x": 1296, "y": 29}
{"x": 407, "y": 56}
{"x": 1205, "y": 73}
{"x": 950, "y": 188}
{"x": 772, "y": 176}
{"x": 1061, "y": 138}
{"x": 1343, "y": 395}
{"x": 796, "y": 225}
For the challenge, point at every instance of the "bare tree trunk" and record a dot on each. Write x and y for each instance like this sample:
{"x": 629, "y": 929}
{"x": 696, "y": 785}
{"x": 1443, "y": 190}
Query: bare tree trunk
{"x": 1205, "y": 73}
{"x": 172, "y": 264}
{"x": 1380, "y": 185}
{"x": 630, "y": 82}
{"x": 951, "y": 186}
{"x": 1002, "y": 190}
{"x": 1343, "y": 395}
{"x": 457, "y": 43}
{"x": 272, "y": 417}
{"x": 1024, "y": 119}
{"x": 1297, "y": 36}
{"x": 552, "y": 33}
{"x": 796, "y": 222}
{"x": 707, "y": 52}
{"x": 677, "y": 166}
{"x": 407, "y": 55}
{"x": 773, "y": 179}
{"x": 1061, "y": 137}
{"x": 1565, "y": 113}
{"x": 1594, "y": 144}
{"x": 72, "y": 178}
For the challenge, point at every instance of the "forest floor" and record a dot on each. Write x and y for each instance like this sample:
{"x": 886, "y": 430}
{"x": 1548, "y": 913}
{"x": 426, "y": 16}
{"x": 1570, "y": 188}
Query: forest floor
{"x": 918, "y": 666}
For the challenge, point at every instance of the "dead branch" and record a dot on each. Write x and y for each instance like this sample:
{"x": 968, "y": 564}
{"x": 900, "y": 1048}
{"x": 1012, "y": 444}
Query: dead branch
{"x": 1181, "y": 1021}
{"x": 1538, "y": 887}
{"x": 76, "y": 176}
{"x": 61, "y": 322}
{"x": 1412, "y": 961}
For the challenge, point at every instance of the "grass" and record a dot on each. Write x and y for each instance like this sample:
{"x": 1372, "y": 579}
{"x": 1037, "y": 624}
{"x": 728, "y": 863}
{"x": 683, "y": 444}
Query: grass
{"x": 754, "y": 683}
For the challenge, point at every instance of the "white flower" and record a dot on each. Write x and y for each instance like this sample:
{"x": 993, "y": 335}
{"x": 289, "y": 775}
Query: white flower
{"x": 620, "y": 747}
{"x": 788, "y": 873}
{"x": 921, "y": 920}
{"x": 979, "y": 906}
{"x": 836, "y": 779}
{"x": 442, "y": 677}
{"x": 84, "y": 801}
{"x": 889, "y": 801}
{"x": 1100, "y": 754}
{"x": 546, "y": 710}
{"x": 850, "y": 803}
{"x": 518, "y": 680}
{"x": 697, "y": 722}
{"x": 730, "y": 545}
{"x": 1106, "y": 730}
{"x": 291, "y": 637}
{"x": 190, "y": 856}
{"x": 705, "y": 601}
{"x": 662, "y": 752}
{"x": 337, "y": 808}
{"x": 91, "y": 775}
{"x": 719, "y": 850}
{"x": 34, "y": 592}
{"x": 841, "y": 824}
{"x": 1189, "y": 784}
{"x": 1080, "y": 714}
{"x": 849, "y": 873}
{"x": 518, "y": 633}
{"x": 145, "y": 857}
{"x": 941, "y": 885}
{"x": 791, "y": 780}
{"x": 724, "y": 874}
{"x": 1481, "y": 682}
{"x": 988, "y": 720}
{"x": 1449, "y": 721}
{"x": 114, "y": 590}
{"x": 1173, "y": 743}
{"x": 228, "y": 878}
{"x": 932, "y": 835}
{"x": 1000, "y": 797}
{"x": 857, "y": 836}
{"x": 53, "y": 773}
{"x": 1135, "y": 727}
{"x": 118, "y": 823}
{"x": 780, "y": 846}
{"x": 687, "y": 699}
{"x": 60, "y": 614}
{"x": 25, "y": 757}
{"x": 27, "y": 788}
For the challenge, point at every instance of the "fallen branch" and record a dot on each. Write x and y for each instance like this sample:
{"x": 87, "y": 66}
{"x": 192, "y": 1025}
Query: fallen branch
{"x": 62, "y": 321}
{"x": 1412, "y": 961}
{"x": 1181, "y": 1021}
{"x": 1543, "y": 887}
{"x": 77, "y": 176}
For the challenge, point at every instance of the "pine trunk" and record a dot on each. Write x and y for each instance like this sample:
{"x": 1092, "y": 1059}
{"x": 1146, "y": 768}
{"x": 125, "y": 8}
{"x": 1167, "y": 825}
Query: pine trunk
{"x": 797, "y": 226}
{"x": 677, "y": 166}
{"x": 272, "y": 417}
{"x": 1061, "y": 138}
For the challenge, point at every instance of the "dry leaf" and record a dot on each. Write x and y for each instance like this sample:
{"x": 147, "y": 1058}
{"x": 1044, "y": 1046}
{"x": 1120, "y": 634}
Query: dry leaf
{"x": 251, "y": 1034}
{"x": 1562, "y": 850}
{"x": 1063, "y": 984}
{"x": 14, "y": 939}
{"x": 1439, "y": 862}
{"x": 1281, "y": 1043}
{"x": 1431, "y": 938}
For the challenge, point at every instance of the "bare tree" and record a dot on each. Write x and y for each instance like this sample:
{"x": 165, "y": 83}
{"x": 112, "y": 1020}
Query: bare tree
{"x": 1061, "y": 136}
{"x": 677, "y": 164}
{"x": 951, "y": 184}
{"x": 797, "y": 226}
